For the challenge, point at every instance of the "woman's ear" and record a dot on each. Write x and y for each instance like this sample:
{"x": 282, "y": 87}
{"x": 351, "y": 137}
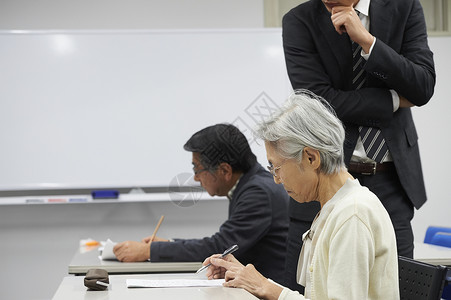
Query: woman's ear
{"x": 313, "y": 156}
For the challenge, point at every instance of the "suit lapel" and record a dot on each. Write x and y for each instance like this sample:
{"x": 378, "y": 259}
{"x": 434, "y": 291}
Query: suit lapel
{"x": 340, "y": 45}
{"x": 381, "y": 20}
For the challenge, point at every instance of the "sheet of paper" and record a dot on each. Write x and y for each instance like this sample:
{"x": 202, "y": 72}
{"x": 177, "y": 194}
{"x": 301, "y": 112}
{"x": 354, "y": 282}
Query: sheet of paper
{"x": 153, "y": 283}
{"x": 107, "y": 252}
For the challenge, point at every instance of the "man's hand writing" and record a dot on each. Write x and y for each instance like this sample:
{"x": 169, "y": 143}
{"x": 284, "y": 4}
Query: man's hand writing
{"x": 130, "y": 251}
{"x": 155, "y": 239}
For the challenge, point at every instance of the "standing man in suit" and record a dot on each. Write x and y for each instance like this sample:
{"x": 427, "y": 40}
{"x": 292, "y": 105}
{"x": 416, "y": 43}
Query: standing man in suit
{"x": 370, "y": 59}
{"x": 257, "y": 222}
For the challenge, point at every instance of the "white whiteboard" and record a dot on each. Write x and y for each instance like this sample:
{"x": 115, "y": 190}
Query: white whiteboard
{"x": 114, "y": 108}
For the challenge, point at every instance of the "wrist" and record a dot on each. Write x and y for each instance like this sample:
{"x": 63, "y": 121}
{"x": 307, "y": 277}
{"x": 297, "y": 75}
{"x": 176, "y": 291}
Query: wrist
{"x": 148, "y": 247}
{"x": 367, "y": 43}
{"x": 270, "y": 290}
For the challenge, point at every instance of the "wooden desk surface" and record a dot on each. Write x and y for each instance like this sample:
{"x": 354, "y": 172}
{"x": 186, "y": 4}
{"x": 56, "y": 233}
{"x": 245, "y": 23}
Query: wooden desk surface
{"x": 432, "y": 254}
{"x": 72, "y": 288}
{"x": 83, "y": 261}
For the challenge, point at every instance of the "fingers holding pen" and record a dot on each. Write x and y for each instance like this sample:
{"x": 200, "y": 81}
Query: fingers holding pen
{"x": 221, "y": 266}
{"x": 239, "y": 276}
{"x": 248, "y": 278}
{"x": 213, "y": 271}
{"x": 149, "y": 239}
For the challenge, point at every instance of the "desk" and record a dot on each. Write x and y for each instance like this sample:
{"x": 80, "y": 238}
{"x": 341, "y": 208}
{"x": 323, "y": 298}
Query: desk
{"x": 72, "y": 288}
{"x": 83, "y": 261}
{"x": 432, "y": 254}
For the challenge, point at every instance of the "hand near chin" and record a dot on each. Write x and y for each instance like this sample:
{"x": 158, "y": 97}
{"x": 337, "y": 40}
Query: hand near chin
{"x": 346, "y": 20}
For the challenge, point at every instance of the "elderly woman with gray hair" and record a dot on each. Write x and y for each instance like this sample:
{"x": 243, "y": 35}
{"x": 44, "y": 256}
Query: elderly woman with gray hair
{"x": 350, "y": 250}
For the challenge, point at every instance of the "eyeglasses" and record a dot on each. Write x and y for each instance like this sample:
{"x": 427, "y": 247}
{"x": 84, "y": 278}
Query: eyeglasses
{"x": 273, "y": 169}
{"x": 196, "y": 172}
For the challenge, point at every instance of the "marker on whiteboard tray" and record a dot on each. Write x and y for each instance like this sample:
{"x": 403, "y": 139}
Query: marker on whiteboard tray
{"x": 105, "y": 194}
{"x": 57, "y": 200}
{"x": 78, "y": 200}
{"x": 35, "y": 200}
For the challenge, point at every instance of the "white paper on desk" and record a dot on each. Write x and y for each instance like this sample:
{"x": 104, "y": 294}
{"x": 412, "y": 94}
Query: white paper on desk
{"x": 107, "y": 253}
{"x": 172, "y": 283}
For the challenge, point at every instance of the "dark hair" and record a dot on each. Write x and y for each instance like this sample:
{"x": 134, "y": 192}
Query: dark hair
{"x": 222, "y": 143}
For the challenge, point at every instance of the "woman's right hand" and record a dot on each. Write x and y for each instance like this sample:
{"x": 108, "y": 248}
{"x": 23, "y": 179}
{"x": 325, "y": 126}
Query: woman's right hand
{"x": 239, "y": 276}
{"x": 218, "y": 272}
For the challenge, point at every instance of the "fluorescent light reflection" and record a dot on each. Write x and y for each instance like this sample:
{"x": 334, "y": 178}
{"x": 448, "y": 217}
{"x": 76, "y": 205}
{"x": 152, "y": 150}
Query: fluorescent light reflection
{"x": 63, "y": 44}
{"x": 274, "y": 51}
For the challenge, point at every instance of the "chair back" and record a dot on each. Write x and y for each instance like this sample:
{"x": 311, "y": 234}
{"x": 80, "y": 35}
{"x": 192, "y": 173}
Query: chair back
{"x": 420, "y": 281}
{"x": 442, "y": 239}
{"x": 432, "y": 230}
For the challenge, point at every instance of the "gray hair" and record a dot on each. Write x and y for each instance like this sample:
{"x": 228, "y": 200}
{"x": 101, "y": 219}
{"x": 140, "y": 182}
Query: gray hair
{"x": 306, "y": 120}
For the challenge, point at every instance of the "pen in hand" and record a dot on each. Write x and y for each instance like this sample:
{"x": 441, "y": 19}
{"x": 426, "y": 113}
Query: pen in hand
{"x": 228, "y": 251}
{"x": 156, "y": 229}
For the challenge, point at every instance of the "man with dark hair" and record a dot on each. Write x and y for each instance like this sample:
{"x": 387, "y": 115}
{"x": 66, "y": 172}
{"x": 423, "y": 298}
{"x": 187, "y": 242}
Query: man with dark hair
{"x": 257, "y": 222}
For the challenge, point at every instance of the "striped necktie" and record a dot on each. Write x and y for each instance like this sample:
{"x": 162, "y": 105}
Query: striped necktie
{"x": 372, "y": 138}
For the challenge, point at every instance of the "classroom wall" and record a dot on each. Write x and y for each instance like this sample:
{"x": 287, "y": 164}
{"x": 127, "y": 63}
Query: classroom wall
{"x": 432, "y": 123}
{"x": 37, "y": 242}
{"x": 130, "y": 14}
{"x": 46, "y": 237}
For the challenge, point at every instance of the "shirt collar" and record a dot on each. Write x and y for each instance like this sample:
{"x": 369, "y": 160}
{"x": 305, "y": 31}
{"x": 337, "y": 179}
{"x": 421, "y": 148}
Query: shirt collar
{"x": 363, "y": 7}
{"x": 230, "y": 193}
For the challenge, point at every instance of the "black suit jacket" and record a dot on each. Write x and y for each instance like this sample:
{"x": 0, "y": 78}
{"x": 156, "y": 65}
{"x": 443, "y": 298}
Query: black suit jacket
{"x": 257, "y": 223}
{"x": 319, "y": 59}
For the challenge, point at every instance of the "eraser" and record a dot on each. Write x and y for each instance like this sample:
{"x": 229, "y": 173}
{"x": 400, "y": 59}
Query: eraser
{"x": 105, "y": 194}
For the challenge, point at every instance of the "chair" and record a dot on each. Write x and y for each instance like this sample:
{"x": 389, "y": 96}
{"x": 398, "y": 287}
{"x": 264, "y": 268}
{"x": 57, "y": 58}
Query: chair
{"x": 441, "y": 236}
{"x": 442, "y": 239}
{"x": 420, "y": 281}
{"x": 447, "y": 289}
{"x": 432, "y": 230}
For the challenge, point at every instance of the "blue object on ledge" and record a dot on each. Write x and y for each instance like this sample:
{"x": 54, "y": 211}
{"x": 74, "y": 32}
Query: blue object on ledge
{"x": 442, "y": 239}
{"x": 105, "y": 194}
{"x": 432, "y": 230}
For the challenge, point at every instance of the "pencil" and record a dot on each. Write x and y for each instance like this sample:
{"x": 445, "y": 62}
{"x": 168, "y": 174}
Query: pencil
{"x": 156, "y": 229}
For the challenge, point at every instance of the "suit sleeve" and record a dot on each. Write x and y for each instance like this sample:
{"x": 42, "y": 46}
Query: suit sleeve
{"x": 249, "y": 221}
{"x": 411, "y": 71}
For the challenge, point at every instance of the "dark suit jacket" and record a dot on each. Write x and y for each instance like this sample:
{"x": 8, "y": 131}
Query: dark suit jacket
{"x": 257, "y": 223}
{"x": 320, "y": 59}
